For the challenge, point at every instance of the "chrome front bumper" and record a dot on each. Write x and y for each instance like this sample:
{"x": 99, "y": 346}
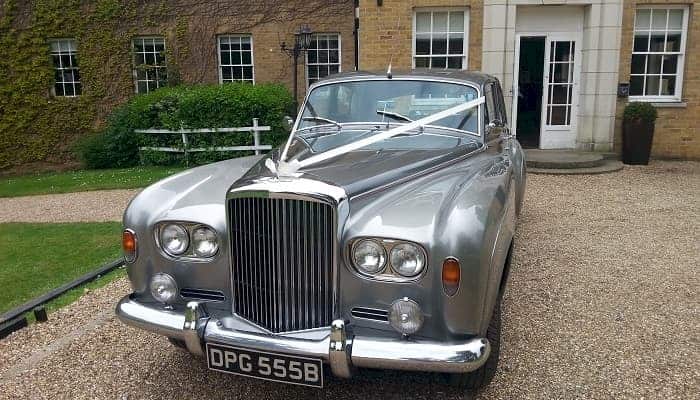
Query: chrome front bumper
{"x": 339, "y": 349}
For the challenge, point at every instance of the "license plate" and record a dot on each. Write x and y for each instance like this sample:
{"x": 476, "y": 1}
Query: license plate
{"x": 264, "y": 365}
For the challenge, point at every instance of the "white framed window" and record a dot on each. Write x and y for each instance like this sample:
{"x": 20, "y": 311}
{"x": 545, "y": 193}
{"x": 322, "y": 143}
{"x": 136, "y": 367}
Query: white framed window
{"x": 150, "y": 71}
{"x": 65, "y": 65}
{"x": 658, "y": 53}
{"x": 440, "y": 38}
{"x": 322, "y": 57}
{"x": 236, "y": 58}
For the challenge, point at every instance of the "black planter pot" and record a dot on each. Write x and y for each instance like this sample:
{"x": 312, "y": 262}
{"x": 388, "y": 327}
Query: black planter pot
{"x": 636, "y": 142}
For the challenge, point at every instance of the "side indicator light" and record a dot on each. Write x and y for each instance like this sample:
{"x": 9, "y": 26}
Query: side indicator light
{"x": 451, "y": 275}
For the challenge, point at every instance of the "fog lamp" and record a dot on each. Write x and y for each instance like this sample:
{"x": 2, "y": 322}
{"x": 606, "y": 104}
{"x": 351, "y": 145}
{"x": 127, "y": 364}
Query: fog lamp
{"x": 163, "y": 288}
{"x": 405, "y": 316}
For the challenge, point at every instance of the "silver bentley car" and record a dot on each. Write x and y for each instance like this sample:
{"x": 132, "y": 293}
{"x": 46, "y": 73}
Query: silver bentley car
{"x": 378, "y": 236}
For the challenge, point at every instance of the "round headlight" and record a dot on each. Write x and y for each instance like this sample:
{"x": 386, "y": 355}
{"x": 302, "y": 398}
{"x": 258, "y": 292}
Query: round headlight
{"x": 174, "y": 239}
{"x": 405, "y": 316}
{"x": 369, "y": 256}
{"x": 204, "y": 242}
{"x": 163, "y": 288}
{"x": 407, "y": 259}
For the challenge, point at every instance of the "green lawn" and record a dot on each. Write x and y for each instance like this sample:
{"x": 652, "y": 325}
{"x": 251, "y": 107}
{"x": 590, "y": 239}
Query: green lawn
{"x": 35, "y": 258}
{"x": 84, "y": 180}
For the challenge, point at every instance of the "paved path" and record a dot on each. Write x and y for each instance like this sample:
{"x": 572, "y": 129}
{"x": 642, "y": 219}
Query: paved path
{"x": 602, "y": 303}
{"x": 96, "y": 206}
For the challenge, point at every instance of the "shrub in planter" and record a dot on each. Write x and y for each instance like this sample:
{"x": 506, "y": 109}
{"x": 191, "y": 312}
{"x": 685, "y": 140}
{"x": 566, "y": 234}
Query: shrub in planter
{"x": 637, "y": 132}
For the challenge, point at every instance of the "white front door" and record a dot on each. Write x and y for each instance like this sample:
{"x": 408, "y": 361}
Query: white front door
{"x": 562, "y": 71}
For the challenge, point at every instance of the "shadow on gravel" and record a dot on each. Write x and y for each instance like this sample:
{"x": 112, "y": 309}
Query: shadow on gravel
{"x": 189, "y": 375}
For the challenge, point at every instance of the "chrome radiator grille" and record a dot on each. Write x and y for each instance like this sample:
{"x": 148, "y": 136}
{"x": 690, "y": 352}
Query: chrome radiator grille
{"x": 282, "y": 262}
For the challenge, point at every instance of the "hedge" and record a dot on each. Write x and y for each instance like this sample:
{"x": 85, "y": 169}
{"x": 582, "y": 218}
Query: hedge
{"x": 201, "y": 106}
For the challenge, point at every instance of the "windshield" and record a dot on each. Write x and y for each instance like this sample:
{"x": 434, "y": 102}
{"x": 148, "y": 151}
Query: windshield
{"x": 388, "y": 101}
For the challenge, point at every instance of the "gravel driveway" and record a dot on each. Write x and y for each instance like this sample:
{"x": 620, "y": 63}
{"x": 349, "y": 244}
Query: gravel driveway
{"x": 602, "y": 303}
{"x": 97, "y": 206}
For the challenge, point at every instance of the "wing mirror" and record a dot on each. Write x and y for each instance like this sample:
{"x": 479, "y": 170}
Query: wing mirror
{"x": 496, "y": 123}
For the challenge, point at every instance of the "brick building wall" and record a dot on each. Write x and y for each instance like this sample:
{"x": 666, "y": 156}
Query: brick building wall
{"x": 677, "y": 134}
{"x": 387, "y": 31}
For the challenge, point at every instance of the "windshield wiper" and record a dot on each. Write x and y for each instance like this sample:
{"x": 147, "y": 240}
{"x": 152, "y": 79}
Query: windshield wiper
{"x": 321, "y": 119}
{"x": 394, "y": 115}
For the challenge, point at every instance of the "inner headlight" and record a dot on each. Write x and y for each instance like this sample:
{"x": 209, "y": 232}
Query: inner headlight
{"x": 174, "y": 239}
{"x": 204, "y": 242}
{"x": 407, "y": 259}
{"x": 369, "y": 256}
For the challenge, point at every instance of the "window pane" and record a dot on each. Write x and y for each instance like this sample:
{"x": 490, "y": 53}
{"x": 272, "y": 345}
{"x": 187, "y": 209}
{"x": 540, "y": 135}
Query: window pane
{"x": 237, "y": 73}
{"x": 422, "y": 62}
{"x": 454, "y": 62}
{"x": 638, "y": 63}
{"x": 333, "y": 69}
{"x": 226, "y": 73}
{"x": 658, "y": 19}
{"x": 457, "y": 21}
{"x": 223, "y": 45}
{"x": 248, "y": 73}
{"x": 561, "y": 53}
{"x": 58, "y": 88}
{"x": 643, "y": 20}
{"x": 439, "y": 62}
{"x": 323, "y": 43}
{"x": 439, "y": 45}
{"x": 312, "y": 71}
{"x": 641, "y": 41}
{"x": 423, "y": 22}
{"x": 668, "y": 85}
{"x": 68, "y": 90}
{"x": 652, "y": 88}
{"x": 561, "y": 73}
{"x": 456, "y": 45}
{"x": 245, "y": 44}
{"x": 333, "y": 57}
{"x": 560, "y": 94}
{"x": 138, "y": 45}
{"x": 636, "y": 85}
{"x": 675, "y": 19}
{"x": 55, "y": 46}
{"x": 78, "y": 89}
{"x": 312, "y": 56}
{"x": 333, "y": 43}
{"x": 670, "y": 64}
{"x": 673, "y": 42}
{"x": 657, "y": 41}
{"x": 558, "y": 115}
{"x": 65, "y": 61}
{"x": 323, "y": 57}
{"x": 76, "y": 75}
{"x": 654, "y": 64}
{"x": 439, "y": 22}
{"x": 56, "y": 61}
{"x": 142, "y": 88}
{"x": 422, "y": 44}
{"x": 150, "y": 59}
{"x": 247, "y": 59}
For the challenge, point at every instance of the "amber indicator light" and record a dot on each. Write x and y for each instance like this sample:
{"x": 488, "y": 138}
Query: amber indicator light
{"x": 451, "y": 275}
{"x": 129, "y": 244}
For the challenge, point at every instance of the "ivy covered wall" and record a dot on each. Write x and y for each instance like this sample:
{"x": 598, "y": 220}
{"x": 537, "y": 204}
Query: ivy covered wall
{"x": 38, "y": 127}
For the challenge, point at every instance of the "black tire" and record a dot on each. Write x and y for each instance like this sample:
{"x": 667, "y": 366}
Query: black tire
{"x": 481, "y": 377}
{"x": 180, "y": 344}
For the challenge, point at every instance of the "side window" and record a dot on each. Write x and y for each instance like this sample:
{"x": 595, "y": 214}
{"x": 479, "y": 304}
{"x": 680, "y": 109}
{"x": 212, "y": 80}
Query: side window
{"x": 491, "y": 113}
{"x": 500, "y": 105}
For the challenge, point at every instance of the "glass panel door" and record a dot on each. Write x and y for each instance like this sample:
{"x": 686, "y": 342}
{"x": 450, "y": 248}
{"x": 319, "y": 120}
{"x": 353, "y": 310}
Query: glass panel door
{"x": 560, "y": 91}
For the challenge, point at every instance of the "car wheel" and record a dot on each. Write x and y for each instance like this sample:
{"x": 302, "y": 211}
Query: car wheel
{"x": 180, "y": 344}
{"x": 481, "y": 377}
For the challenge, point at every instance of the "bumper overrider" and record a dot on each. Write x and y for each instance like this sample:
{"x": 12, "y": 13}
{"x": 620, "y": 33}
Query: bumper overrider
{"x": 339, "y": 349}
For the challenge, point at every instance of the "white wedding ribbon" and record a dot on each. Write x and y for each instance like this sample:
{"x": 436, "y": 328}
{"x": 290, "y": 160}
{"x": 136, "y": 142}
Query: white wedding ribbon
{"x": 285, "y": 168}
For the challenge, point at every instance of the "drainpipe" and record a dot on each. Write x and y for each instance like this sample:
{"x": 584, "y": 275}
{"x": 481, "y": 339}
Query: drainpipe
{"x": 356, "y": 34}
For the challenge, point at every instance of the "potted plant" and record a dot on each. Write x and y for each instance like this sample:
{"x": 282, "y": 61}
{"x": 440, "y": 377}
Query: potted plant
{"x": 637, "y": 132}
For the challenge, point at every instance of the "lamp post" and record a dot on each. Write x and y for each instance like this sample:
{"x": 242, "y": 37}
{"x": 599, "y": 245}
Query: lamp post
{"x": 302, "y": 41}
